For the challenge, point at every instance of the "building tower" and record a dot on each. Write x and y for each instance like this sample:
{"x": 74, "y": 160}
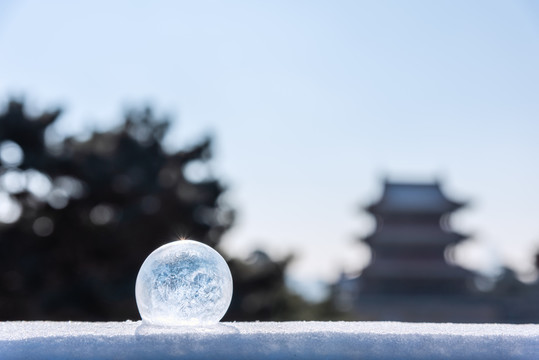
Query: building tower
{"x": 409, "y": 277}
{"x": 410, "y": 242}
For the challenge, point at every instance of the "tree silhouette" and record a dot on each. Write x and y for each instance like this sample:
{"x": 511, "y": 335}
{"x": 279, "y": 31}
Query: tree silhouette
{"x": 77, "y": 219}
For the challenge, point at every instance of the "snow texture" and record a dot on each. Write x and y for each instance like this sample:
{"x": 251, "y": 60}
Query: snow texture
{"x": 268, "y": 340}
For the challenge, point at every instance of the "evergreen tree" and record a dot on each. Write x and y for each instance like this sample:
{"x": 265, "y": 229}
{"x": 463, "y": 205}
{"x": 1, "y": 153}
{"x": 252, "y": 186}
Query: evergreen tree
{"x": 78, "y": 219}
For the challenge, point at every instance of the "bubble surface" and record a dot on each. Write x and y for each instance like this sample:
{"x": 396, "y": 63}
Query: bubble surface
{"x": 183, "y": 283}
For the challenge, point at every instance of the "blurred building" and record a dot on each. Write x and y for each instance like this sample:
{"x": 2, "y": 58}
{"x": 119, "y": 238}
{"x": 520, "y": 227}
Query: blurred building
{"x": 412, "y": 277}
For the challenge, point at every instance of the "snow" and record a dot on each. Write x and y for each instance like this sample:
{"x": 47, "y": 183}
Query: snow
{"x": 268, "y": 340}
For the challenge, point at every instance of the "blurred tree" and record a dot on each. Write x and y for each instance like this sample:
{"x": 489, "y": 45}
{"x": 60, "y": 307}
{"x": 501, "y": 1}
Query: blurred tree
{"x": 78, "y": 218}
{"x": 260, "y": 293}
{"x": 260, "y": 290}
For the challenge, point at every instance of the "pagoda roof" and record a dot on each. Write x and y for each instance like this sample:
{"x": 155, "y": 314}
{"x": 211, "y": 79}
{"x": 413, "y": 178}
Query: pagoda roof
{"x": 405, "y": 198}
{"x": 413, "y": 236}
{"x": 410, "y": 269}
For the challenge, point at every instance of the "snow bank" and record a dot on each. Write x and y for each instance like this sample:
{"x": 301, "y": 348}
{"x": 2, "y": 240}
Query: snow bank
{"x": 268, "y": 340}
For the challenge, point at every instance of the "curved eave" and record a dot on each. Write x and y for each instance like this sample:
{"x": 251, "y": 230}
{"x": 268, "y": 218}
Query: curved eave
{"x": 372, "y": 208}
{"x": 367, "y": 239}
{"x": 381, "y": 238}
{"x": 380, "y": 209}
{"x": 456, "y": 205}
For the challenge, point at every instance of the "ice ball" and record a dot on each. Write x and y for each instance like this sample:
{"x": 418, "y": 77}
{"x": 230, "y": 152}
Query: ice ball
{"x": 183, "y": 282}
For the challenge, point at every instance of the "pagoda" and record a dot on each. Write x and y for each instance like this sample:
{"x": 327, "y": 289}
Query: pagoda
{"x": 411, "y": 242}
{"x": 411, "y": 276}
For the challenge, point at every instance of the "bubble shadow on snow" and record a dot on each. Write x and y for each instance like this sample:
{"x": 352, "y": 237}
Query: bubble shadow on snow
{"x": 148, "y": 330}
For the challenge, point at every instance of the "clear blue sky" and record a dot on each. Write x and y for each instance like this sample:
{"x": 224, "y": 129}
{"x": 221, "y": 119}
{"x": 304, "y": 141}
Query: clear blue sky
{"x": 311, "y": 103}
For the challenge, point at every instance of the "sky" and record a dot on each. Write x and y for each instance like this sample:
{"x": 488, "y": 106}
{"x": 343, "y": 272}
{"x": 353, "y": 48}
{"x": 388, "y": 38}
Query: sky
{"x": 311, "y": 104}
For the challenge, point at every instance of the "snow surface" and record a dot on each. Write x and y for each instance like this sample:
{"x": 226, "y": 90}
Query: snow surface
{"x": 268, "y": 340}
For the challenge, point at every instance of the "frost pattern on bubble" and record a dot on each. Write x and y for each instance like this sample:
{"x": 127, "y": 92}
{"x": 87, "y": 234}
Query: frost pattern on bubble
{"x": 183, "y": 283}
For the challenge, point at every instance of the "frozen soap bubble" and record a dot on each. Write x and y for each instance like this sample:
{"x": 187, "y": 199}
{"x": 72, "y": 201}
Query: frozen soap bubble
{"x": 183, "y": 283}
